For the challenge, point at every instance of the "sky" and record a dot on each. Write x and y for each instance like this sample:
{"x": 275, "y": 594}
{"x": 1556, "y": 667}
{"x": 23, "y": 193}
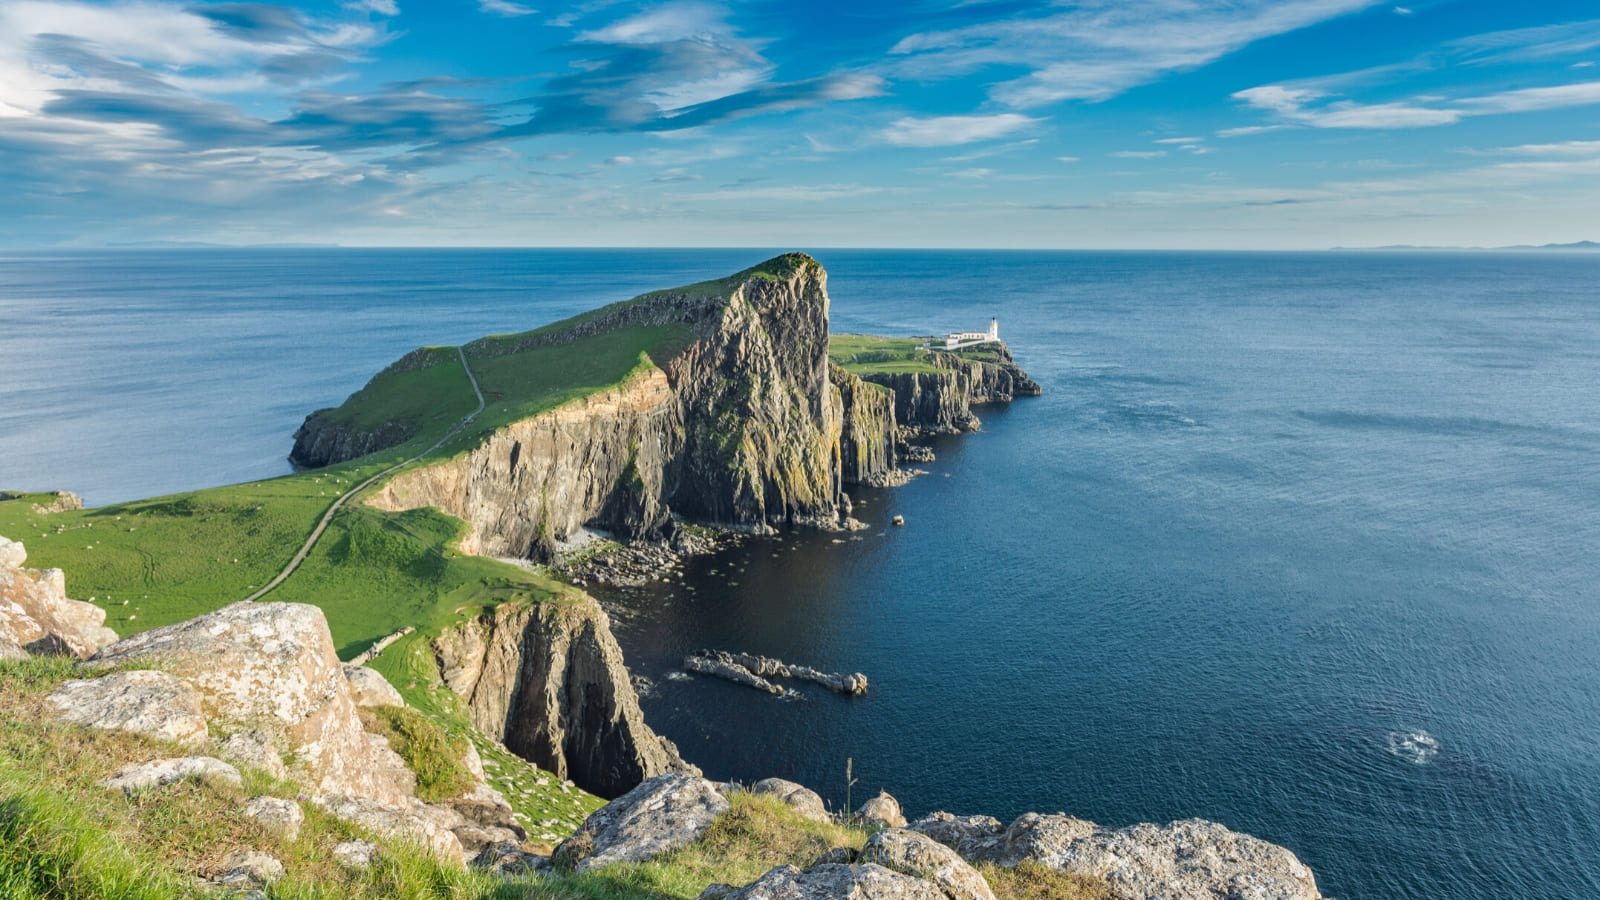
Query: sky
{"x": 1236, "y": 124}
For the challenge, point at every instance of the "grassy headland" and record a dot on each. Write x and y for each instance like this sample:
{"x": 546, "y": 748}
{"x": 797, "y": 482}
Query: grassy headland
{"x": 864, "y": 354}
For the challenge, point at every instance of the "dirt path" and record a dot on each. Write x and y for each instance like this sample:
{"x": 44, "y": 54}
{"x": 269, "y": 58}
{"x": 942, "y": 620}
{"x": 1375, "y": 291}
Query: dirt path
{"x": 327, "y": 517}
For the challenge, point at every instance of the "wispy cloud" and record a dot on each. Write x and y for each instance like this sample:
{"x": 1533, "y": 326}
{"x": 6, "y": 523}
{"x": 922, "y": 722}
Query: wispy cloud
{"x": 505, "y": 8}
{"x": 1138, "y": 154}
{"x": 944, "y": 131}
{"x": 1096, "y": 50}
{"x": 1306, "y": 106}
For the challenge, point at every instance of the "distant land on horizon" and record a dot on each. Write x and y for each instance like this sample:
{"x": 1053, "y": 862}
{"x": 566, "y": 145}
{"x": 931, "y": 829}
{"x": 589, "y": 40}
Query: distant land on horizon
{"x": 1584, "y": 245}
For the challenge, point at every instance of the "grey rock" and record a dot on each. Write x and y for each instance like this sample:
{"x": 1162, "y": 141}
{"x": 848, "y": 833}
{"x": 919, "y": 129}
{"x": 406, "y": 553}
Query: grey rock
{"x": 415, "y": 822}
{"x": 279, "y": 816}
{"x": 10, "y": 650}
{"x": 474, "y": 838}
{"x": 716, "y": 891}
{"x": 912, "y": 853}
{"x": 484, "y": 807}
{"x": 255, "y": 749}
{"x": 510, "y": 860}
{"x": 142, "y": 701}
{"x": 369, "y": 688}
{"x": 801, "y": 799}
{"x": 882, "y": 811}
{"x": 1187, "y": 860}
{"x": 355, "y": 855}
{"x": 843, "y": 856}
{"x": 163, "y": 772}
{"x": 661, "y": 814}
{"x": 835, "y": 882}
{"x": 976, "y": 838}
{"x": 36, "y": 615}
{"x": 250, "y": 868}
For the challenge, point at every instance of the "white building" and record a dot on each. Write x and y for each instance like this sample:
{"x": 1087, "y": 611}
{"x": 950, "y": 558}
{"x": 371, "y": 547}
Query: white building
{"x": 955, "y": 340}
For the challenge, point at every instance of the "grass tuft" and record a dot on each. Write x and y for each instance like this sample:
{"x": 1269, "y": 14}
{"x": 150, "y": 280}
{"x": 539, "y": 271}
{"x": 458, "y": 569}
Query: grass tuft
{"x": 432, "y": 753}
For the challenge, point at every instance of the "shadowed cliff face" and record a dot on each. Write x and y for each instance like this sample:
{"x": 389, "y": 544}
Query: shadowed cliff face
{"x": 941, "y": 402}
{"x": 548, "y": 681}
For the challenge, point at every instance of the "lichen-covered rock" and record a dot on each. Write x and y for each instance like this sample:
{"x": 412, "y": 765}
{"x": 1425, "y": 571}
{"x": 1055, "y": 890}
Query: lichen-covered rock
{"x": 836, "y": 882}
{"x": 911, "y": 853}
{"x": 509, "y": 860}
{"x": 162, "y": 772}
{"x": 36, "y": 615}
{"x": 548, "y": 681}
{"x": 485, "y": 807}
{"x": 369, "y": 688}
{"x": 801, "y": 799}
{"x": 977, "y": 838}
{"x": 272, "y": 667}
{"x": 1187, "y": 860}
{"x": 661, "y": 814}
{"x": 250, "y": 868}
{"x": 282, "y": 817}
{"x": 882, "y": 811}
{"x": 412, "y": 821}
{"x": 356, "y": 856}
{"x": 254, "y": 748}
{"x": 144, "y": 702}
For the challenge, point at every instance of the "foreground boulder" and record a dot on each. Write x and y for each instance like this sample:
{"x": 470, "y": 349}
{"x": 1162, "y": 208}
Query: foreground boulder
{"x": 271, "y": 667}
{"x": 911, "y": 853}
{"x": 141, "y": 701}
{"x": 882, "y": 811}
{"x": 36, "y": 617}
{"x": 974, "y": 837}
{"x": 661, "y": 814}
{"x": 830, "y": 881}
{"x": 799, "y": 798}
{"x": 162, "y": 772}
{"x": 415, "y": 822}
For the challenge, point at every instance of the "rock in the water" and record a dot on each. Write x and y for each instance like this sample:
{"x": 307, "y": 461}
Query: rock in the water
{"x": 369, "y": 688}
{"x": 661, "y": 814}
{"x": 37, "y": 617}
{"x": 414, "y": 822}
{"x": 282, "y": 817}
{"x": 163, "y": 772}
{"x": 250, "y": 868}
{"x": 976, "y": 838}
{"x": 911, "y": 853}
{"x": 272, "y": 667}
{"x": 142, "y": 701}
{"x": 835, "y": 882}
{"x": 882, "y": 811}
{"x": 1188, "y": 860}
{"x": 801, "y": 799}
{"x": 355, "y": 855}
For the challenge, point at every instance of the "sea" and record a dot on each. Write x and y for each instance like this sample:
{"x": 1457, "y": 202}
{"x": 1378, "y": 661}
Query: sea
{"x": 1303, "y": 543}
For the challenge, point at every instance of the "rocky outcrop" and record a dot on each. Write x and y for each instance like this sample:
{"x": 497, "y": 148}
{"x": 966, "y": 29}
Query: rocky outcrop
{"x": 941, "y": 402}
{"x": 271, "y": 667}
{"x": 867, "y": 436}
{"x": 750, "y": 669}
{"x": 548, "y": 682}
{"x": 882, "y": 811}
{"x": 60, "y": 501}
{"x": 368, "y": 688}
{"x": 162, "y": 772}
{"x": 326, "y": 437}
{"x": 661, "y": 814}
{"x": 36, "y": 617}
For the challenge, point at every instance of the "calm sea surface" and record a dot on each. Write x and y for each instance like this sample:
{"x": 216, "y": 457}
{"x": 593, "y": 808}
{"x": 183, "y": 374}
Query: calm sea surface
{"x": 1302, "y": 543}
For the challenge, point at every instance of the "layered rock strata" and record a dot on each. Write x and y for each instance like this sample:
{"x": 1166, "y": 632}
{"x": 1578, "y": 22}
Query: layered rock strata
{"x": 941, "y": 402}
{"x": 548, "y": 682}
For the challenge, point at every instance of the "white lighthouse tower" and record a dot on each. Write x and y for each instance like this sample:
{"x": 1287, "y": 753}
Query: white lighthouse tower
{"x": 994, "y": 328}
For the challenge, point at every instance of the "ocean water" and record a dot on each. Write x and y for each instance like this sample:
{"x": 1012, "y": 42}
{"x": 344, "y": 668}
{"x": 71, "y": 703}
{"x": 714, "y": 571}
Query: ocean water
{"x": 1302, "y": 543}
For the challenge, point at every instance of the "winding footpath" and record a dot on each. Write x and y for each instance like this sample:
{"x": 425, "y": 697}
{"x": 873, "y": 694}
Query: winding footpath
{"x": 327, "y": 517}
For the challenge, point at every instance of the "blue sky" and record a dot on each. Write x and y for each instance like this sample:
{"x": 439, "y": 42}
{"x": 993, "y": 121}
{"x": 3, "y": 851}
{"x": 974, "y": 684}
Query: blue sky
{"x": 1162, "y": 123}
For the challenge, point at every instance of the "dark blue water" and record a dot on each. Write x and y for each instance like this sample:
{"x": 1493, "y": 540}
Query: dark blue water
{"x": 1303, "y": 543}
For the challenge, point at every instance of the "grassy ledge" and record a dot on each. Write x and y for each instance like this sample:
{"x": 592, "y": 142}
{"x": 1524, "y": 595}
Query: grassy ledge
{"x": 865, "y": 354}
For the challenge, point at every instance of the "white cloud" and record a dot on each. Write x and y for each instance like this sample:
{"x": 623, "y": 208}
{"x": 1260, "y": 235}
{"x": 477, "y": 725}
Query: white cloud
{"x": 673, "y": 22}
{"x": 1299, "y": 105}
{"x": 1564, "y": 148}
{"x": 619, "y": 160}
{"x": 1536, "y": 99}
{"x": 505, "y": 8}
{"x": 381, "y": 7}
{"x": 1247, "y": 130}
{"x": 972, "y": 173}
{"x": 944, "y": 131}
{"x": 1138, "y": 154}
{"x": 1067, "y": 159}
{"x": 1179, "y": 140}
{"x": 1402, "y": 11}
{"x": 1094, "y": 51}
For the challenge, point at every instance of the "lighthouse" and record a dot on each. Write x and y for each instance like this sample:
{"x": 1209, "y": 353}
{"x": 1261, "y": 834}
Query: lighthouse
{"x": 994, "y": 328}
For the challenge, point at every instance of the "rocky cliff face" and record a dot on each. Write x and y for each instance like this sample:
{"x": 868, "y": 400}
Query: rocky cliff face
{"x": 867, "y": 433}
{"x": 548, "y": 681}
{"x": 941, "y": 402}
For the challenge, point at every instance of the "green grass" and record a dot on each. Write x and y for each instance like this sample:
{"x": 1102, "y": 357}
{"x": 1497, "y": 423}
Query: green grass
{"x": 433, "y": 753}
{"x": 427, "y": 390}
{"x": 866, "y": 354}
